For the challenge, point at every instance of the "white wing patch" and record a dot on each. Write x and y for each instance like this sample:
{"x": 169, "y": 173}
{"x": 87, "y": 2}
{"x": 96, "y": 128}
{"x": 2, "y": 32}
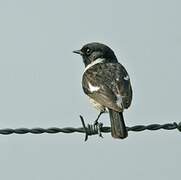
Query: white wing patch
{"x": 119, "y": 101}
{"x": 126, "y": 78}
{"x": 93, "y": 88}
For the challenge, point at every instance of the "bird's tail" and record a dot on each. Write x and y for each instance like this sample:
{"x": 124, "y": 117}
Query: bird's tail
{"x": 118, "y": 128}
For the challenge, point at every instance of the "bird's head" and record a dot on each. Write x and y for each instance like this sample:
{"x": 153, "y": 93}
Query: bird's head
{"x": 93, "y": 51}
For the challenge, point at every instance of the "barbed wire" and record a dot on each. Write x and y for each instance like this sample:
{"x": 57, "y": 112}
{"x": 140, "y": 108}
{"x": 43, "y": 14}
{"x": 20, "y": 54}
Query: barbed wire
{"x": 89, "y": 129}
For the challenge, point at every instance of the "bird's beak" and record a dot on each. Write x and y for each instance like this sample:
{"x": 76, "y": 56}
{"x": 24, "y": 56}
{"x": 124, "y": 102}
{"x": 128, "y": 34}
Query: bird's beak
{"x": 78, "y": 52}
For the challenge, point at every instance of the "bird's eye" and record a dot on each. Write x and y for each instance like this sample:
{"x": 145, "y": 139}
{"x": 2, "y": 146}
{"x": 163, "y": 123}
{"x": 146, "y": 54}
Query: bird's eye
{"x": 88, "y": 51}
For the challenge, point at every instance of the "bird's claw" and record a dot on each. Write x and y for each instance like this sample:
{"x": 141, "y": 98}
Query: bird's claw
{"x": 98, "y": 126}
{"x": 96, "y": 122}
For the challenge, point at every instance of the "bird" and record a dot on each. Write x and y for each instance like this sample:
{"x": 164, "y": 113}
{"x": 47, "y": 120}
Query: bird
{"x": 107, "y": 84}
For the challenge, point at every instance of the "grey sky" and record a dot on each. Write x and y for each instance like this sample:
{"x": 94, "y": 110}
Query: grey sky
{"x": 40, "y": 86}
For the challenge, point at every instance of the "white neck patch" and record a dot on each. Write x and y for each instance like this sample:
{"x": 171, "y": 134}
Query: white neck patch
{"x": 97, "y": 61}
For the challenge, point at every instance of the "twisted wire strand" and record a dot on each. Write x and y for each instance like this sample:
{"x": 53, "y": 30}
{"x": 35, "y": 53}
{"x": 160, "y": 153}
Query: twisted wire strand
{"x": 89, "y": 129}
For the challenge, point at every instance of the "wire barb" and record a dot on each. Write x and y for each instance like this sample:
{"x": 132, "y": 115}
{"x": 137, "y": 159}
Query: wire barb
{"x": 91, "y": 129}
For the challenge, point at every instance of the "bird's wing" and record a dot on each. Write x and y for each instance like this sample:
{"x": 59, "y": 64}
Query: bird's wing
{"x": 109, "y": 85}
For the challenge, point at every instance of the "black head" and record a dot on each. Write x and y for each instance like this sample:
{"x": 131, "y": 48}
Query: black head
{"x": 92, "y": 51}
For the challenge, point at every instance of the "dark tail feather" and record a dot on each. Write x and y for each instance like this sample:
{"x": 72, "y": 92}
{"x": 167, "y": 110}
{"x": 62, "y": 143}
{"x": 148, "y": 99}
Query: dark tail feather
{"x": 118, "y": 128}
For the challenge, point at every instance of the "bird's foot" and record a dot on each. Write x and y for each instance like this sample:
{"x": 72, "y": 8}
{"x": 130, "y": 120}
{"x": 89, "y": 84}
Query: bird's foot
{"x": 99, "y": 115}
